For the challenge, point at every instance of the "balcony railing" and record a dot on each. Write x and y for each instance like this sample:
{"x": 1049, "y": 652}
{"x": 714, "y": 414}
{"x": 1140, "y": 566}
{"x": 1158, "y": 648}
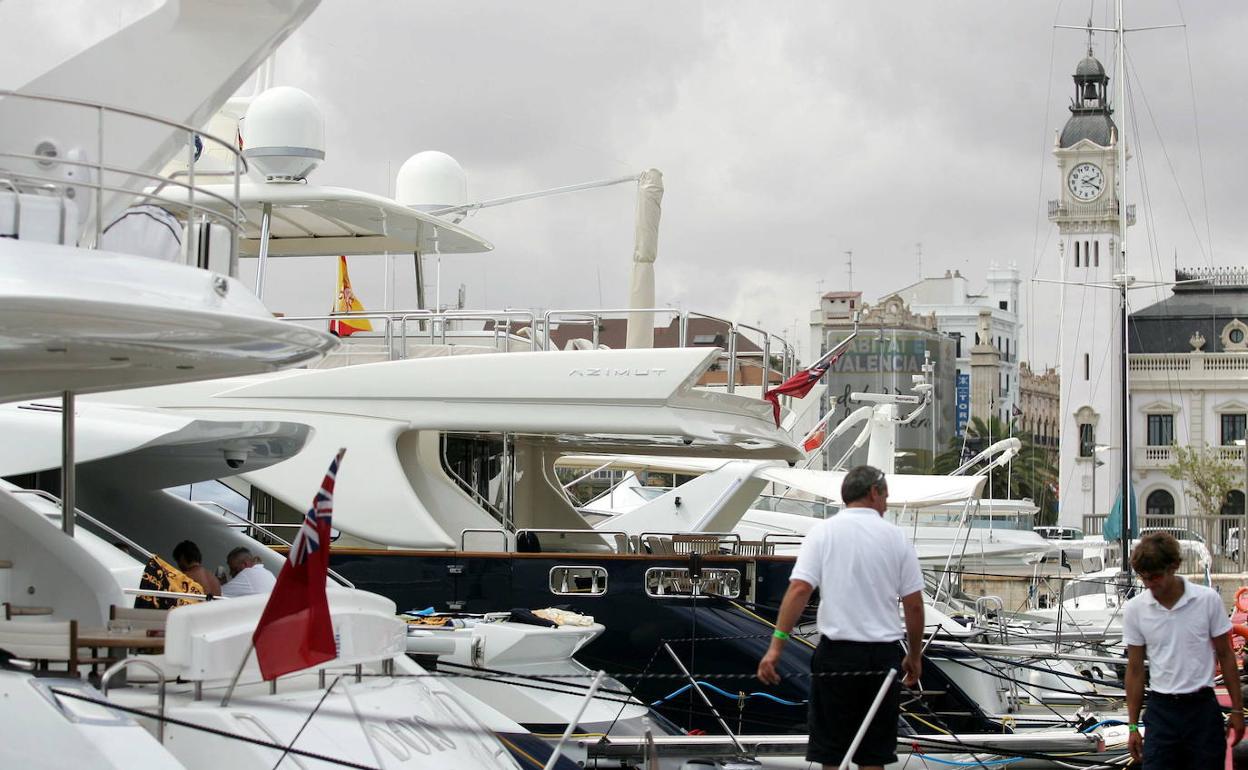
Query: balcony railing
{"x": 1153, "y": 457}
{"x": 1060, "y": 212}
{"x": 1161, "y": 457}
{"x": 1194, "y": 364}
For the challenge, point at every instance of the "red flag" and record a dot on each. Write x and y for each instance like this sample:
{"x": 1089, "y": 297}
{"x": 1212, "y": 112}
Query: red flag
{"x": 801, "y": 383}
{"x": 295, "y": 631}
{"x": 814, "y": 440}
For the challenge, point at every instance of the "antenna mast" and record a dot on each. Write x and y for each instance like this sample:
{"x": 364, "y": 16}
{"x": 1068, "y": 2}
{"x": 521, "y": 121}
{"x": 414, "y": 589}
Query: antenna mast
{"x": 849, "y": 262}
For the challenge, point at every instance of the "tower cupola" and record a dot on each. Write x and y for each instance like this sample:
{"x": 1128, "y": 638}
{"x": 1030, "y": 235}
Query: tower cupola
{"x": 1089, "y": 110}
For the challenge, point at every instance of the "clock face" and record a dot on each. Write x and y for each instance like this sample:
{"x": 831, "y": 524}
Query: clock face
{"x": 1086, "y": 181}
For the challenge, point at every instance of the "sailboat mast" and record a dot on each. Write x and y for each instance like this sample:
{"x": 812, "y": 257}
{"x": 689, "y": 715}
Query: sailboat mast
{"x": 1120, "y": 179}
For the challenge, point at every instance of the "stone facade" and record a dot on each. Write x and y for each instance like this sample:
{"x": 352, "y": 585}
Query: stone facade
{"x": 1039, "y": 404}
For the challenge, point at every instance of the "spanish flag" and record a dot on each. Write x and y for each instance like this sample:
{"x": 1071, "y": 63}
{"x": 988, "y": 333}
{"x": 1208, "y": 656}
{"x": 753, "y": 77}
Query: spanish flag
{"x": 345, "y": 301}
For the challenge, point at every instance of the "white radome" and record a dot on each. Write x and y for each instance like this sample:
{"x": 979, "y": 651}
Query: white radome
{"x": 283, "y": 134}
{"x": 431, "y": 180}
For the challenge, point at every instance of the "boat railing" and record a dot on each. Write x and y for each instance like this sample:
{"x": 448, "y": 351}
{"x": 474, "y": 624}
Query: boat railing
{"x": 64, "y": 172}
{"x": 502, "y": 533}
{"x": 622, "y": 542}
{"x": 261, "y": 528}
{"x": 773, "y": 539}
{"x": 517, "y": 330}
{"x": 91, "y": 520}
{"x": 120, "y": 667}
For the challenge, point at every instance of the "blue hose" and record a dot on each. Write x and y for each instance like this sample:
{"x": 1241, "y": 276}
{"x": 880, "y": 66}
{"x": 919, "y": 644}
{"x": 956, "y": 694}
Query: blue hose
{"x": 959, "y": 763}
{"x": 1102, "y": 723}
{"x": 726, "y": 694}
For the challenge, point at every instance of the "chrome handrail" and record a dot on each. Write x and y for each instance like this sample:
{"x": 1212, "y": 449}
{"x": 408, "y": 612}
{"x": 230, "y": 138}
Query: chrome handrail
{"x": 257, "y": 526}
{"x": 615, "y": 533}
{"x": 232, "y": 220}
{"x": 78, "y": 513}
{"x": 122, "y": 665}
{"x": 487, "y": 530}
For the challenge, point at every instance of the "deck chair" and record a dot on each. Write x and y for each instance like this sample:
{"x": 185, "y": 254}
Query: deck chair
{"x": 142, "y": 619}
{"x": 702, "y": 544}
{"x": 45, "y": 642}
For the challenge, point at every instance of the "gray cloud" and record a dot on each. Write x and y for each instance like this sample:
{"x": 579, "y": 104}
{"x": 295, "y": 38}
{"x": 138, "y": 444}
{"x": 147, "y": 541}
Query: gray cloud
{"x": 788, "y": 133}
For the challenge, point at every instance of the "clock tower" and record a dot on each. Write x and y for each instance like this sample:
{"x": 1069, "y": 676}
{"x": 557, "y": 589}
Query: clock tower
{"x": 1087, "y": 217}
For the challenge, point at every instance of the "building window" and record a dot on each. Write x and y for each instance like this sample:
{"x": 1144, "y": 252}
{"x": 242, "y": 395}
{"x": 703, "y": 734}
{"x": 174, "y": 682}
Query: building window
{"x": 1159, "y": 509}
{"x": 1087, "y": 439}
{"x": 1076, "y": 253}
{"x": 1233, "y": 428}
{"x": 1004, "y": 305}
{"x": 1160, "y": 429}
{"x": 1096, "y": 253}
{"x": 957, "y": 336}
{"x": 1087, "y": 367}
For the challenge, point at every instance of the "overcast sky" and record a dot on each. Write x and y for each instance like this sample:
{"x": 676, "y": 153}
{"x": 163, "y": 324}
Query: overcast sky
{"x": 788, "y": 133}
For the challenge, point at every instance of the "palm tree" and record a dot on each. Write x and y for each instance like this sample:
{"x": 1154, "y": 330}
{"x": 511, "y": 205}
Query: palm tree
{"x": 1030, "y": 474}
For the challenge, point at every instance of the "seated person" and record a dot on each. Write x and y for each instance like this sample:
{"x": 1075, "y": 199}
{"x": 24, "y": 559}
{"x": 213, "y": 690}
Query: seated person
{"x": 247, "y": 574}
{"x": 188, "y": 558}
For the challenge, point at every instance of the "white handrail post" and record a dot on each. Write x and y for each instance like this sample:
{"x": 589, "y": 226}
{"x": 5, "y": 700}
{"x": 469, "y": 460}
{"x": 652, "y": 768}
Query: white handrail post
{"x": 567, "y": 733}
{"x": 866, "y": 722}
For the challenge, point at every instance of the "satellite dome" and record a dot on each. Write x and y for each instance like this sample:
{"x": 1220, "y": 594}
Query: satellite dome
{"x": 283, "y": 134}
{"x": 431, "y": 180}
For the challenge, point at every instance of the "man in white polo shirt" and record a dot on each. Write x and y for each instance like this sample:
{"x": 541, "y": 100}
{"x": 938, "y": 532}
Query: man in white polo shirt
{"x": 861, "y": 565}
{"x": 1181, "y": 627}
{"x": 247, "y": 575}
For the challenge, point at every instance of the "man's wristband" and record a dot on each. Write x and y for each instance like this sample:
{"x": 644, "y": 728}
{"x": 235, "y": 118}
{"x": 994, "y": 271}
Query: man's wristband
{"x": 1133, "y": 727}
{"x": 780, "y": 634}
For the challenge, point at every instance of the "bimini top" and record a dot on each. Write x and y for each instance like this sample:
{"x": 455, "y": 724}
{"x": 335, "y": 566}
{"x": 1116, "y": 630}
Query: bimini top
{"x": 310, "y": 221}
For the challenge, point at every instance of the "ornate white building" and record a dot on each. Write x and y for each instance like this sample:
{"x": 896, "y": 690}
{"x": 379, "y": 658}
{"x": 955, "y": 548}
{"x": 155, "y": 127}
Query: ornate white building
{"x": 1189, "y": 386}
{"x": 1087, "y": 218}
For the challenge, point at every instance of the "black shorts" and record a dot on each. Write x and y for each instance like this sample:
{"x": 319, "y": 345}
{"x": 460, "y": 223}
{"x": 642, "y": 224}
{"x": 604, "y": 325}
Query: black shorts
{"x": 838, "y": 704}
{"x": 1184, "y": 732}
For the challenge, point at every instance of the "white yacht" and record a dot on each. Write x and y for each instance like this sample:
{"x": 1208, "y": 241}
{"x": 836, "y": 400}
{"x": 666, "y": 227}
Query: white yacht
{"x": 85, "y": 309}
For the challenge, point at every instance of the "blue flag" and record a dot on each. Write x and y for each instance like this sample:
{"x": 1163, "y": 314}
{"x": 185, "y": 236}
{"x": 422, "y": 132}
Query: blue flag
{"x": 1113, "y": 523}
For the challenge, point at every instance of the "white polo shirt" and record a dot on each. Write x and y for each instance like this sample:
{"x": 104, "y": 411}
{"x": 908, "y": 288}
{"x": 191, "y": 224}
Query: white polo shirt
{"x": 861, "y": 565}
{"x": 1179, "y": 640}
{"x": 253, "y": 580}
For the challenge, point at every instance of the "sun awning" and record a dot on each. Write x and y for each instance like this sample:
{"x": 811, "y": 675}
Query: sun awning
{"x": 311, "y": 221}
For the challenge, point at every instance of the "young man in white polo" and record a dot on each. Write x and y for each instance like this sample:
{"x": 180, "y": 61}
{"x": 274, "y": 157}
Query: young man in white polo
{"x": 1181, "y": 628}
{"x": 862, "y": 565}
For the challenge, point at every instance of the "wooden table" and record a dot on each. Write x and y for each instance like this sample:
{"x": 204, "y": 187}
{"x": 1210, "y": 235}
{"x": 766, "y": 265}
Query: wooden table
{"x": 118, "y": 644}
{"x": 102, "y": 637}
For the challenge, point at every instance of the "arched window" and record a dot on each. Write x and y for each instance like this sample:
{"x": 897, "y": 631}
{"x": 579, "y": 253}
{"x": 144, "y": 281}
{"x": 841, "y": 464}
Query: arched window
{"x": 1159, "y": 509}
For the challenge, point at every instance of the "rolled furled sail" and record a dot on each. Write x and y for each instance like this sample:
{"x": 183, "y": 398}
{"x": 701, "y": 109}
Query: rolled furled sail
{"x": 645, "y": 251}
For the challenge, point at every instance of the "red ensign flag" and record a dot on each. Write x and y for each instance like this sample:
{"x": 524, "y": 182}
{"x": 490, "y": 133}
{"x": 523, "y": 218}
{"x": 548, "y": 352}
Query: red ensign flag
{"x": 295, "y": 631}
